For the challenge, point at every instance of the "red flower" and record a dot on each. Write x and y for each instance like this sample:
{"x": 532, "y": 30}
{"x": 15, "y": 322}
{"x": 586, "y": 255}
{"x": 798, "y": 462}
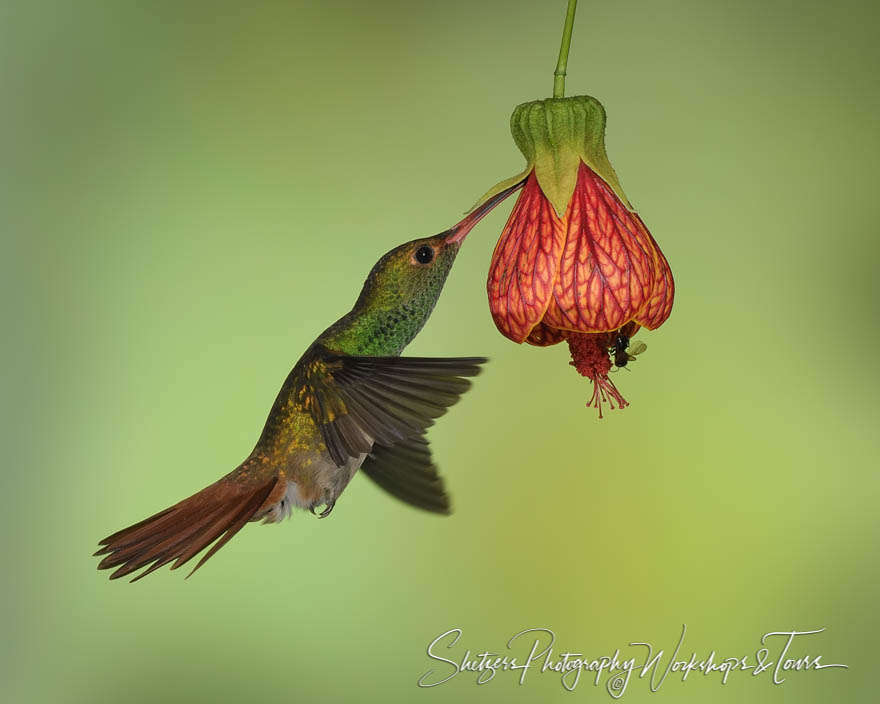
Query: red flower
{"x": 574, "y": 262}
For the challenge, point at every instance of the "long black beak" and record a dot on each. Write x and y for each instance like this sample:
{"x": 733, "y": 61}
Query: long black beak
{"x": 458, "y": 232}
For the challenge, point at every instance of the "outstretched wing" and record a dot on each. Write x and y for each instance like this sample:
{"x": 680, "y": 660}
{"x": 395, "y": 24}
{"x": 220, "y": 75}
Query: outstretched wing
{"x": 405, "y": 471}
{"x": 359, "y": 401}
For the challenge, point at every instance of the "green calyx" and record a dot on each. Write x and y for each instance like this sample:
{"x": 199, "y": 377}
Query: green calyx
{"x": 555, "y": 135}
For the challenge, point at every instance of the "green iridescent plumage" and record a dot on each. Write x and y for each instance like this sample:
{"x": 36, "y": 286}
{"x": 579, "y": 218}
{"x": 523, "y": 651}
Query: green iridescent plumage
{"x": 351, "y": 400}
{"x": 396, "y": 301}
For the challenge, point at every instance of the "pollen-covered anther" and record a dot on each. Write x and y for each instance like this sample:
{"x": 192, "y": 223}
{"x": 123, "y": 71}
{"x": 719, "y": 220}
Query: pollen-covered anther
{"x": 589, "y": 354}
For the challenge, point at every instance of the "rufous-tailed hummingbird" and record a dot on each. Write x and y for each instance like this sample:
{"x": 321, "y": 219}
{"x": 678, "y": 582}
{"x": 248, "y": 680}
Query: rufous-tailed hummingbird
{"x": 351, "y": 402}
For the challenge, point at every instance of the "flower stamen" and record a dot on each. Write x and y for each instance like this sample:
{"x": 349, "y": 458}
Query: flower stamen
{"x": 590, "y": 356}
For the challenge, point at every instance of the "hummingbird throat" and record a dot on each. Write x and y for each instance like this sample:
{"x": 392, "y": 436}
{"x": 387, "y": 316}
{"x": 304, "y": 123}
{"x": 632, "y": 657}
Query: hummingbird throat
{"x": 396, "y": 301}
{"x": 378, "y": 332}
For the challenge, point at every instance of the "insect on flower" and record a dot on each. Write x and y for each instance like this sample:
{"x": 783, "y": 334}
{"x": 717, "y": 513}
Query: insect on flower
{"x": 623, "y": 352}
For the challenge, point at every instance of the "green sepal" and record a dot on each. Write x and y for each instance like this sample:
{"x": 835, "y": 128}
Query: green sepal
{"x": 556, "y": 134}
{"x": 498, "y": 187}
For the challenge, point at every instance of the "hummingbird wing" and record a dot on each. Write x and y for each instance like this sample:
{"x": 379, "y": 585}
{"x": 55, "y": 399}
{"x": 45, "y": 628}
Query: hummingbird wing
{"x": 358, "y": 401}
{"x": 405, "y": 471}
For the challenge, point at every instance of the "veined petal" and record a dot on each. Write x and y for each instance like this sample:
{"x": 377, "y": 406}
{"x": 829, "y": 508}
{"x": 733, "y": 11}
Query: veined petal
{"x": 543, "y": 336}
{"x": 659, "y": 305}
{"x": 525, "y": 263}
{"x": 608, "y": 268}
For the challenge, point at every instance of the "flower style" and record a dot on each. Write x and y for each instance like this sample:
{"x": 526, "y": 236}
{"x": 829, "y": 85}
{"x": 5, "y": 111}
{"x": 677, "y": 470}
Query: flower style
{"x": 574, "y": 261}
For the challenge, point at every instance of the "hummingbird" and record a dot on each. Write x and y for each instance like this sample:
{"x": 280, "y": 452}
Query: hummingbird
{"x": 350, "y": 403}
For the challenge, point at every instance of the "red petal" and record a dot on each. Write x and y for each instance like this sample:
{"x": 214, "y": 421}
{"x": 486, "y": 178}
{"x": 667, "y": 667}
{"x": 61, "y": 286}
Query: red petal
{"x": 609, "y": 269}
{"x": 544, "y": 336}
{"x": 525, "y": 262}
{"x": 659, "y": 305}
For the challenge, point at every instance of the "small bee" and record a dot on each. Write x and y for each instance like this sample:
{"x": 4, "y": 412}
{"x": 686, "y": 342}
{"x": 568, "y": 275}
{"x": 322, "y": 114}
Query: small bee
{"x": 624, "y": 352}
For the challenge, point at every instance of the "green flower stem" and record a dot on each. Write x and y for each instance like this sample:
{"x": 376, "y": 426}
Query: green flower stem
{"x": 559, "y": 73}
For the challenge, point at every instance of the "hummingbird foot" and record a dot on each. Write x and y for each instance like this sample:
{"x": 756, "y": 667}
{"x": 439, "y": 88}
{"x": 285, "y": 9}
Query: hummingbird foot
{"x": 327, "y": 509}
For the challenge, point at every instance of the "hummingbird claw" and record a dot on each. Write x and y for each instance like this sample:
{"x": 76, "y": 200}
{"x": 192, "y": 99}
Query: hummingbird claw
{"x": 327, "y": 509}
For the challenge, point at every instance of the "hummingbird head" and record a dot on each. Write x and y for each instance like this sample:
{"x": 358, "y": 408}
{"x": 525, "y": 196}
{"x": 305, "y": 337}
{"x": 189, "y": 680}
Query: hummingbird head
{"x": 397, "y": 298}
{"x": 412, "y": 275}
{"x": 406, "y": 282}
{"x": 402, "y": 289}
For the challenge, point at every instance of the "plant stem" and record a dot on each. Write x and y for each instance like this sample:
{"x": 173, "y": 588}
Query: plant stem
{"x": 559, "y": 73}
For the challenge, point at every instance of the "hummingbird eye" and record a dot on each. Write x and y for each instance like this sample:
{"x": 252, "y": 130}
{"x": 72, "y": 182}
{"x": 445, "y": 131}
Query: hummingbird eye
{"x": 424, "y": 254}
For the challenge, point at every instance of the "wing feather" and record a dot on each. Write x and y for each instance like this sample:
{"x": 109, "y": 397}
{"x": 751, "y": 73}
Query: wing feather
{"x": 406, "y": 471}
{"x": 357, "y": 401}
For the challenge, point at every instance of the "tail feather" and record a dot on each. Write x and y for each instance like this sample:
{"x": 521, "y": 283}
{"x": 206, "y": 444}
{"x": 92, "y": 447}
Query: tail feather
{"x": 182, "y": 531}
{"x": 164, "y": 544}
{"x": 136, "y": 539}
{"x": 228, "y": 532}
{"x": 130, "y": 530}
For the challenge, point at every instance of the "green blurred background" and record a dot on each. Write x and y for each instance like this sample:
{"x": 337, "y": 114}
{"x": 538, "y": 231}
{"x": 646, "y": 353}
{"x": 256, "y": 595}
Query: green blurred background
{"x": 192, "y": 192}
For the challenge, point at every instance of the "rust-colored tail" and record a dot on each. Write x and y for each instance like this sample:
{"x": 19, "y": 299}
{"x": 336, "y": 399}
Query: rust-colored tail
{"x": 184, "y": 530}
